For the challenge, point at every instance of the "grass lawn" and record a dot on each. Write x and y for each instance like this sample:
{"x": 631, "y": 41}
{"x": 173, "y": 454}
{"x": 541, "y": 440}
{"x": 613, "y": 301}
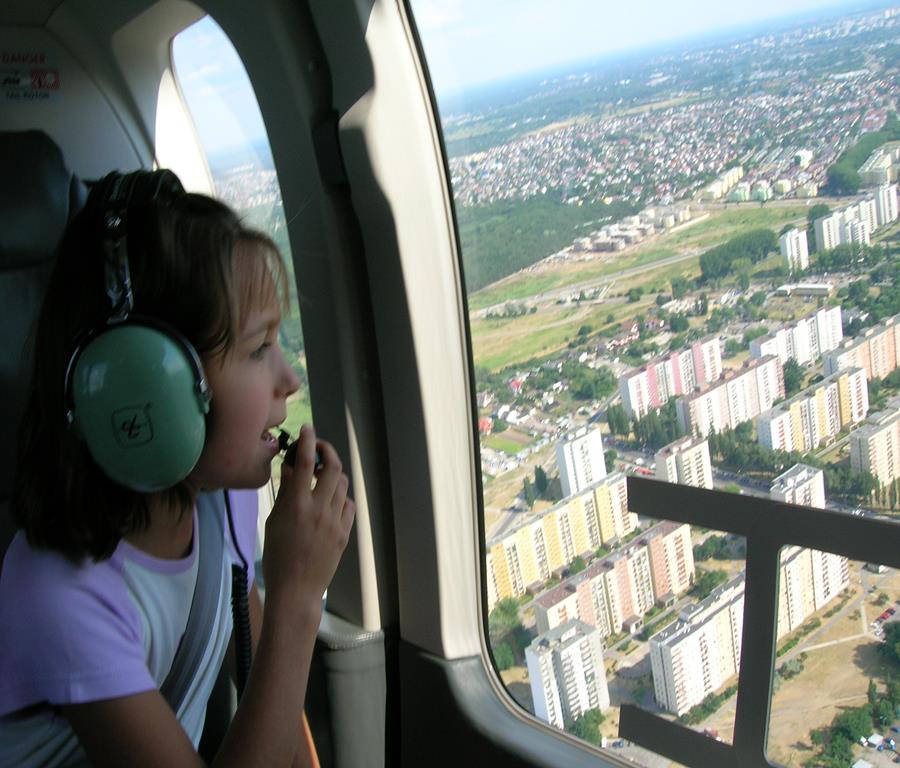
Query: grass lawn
{"x": 500, "y": 443}
{"x": 718, "y": 227}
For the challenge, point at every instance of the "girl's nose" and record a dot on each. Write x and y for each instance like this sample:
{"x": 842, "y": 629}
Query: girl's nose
{"x": 289, "y": 380}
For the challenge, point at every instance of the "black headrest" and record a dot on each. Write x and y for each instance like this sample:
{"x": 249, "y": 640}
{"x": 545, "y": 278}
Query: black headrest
{"x": 38, "y": 196}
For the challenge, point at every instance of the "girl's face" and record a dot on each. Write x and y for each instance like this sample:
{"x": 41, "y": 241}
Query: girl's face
{"x": 250, "y": 384}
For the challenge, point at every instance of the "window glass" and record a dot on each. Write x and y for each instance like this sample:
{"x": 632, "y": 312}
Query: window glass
{"x": 677, "y": 225}
{"x": 228, "y": 122}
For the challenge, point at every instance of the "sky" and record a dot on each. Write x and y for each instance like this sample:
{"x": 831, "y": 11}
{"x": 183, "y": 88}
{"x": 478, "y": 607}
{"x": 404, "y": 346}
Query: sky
{"x": 471, "y": 42}
{"x": 216, "y": 88}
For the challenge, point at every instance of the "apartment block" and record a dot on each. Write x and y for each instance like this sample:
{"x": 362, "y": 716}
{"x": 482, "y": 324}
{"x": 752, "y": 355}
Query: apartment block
{"x": 794, "y": 249}
{"x": 707, "y": 357}
{"x": 697, "y": 654}
{"x": 579, "y": 456}
{"x": 739, "y": 396}
{"x": 875, "y": 447}
{"x": 652, "y": 385}
{"x": 828, "y": 231}
{"x": 565, "y": 668}
{"x": 853, "y": 224}
{"x": 875, "y": 350}
{"x": 886, "y": 204}
{"x": 543, "y": 544}
{"x": 808, "y": 581}
{"x": 700, "y": 652}
{"x": 801, "y": 484}
{"x": 816, "y": 414}
{"x": 685, "y": 461}
{"x": 803, "y": 341}
{"x": 614, "y": 592}
{"x": 671, "y": 559}
{"x": 611, "y": 594}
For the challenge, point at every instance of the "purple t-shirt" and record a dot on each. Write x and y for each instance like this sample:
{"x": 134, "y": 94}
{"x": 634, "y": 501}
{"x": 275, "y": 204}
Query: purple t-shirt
{"x": 78, "y": 633}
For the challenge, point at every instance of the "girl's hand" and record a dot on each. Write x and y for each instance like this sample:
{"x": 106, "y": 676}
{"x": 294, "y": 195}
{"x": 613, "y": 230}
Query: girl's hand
{"x": 308, "y": 528}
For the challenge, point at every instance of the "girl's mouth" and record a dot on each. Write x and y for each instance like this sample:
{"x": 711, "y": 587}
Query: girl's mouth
{"x": 269, "y": 439}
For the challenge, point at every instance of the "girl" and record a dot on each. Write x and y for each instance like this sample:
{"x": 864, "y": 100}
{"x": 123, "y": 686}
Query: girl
{"x": 97, "y": 586}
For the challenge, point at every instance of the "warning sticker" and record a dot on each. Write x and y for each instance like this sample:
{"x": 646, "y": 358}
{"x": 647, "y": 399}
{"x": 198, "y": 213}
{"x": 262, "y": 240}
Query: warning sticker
{"x": 25, "y": 76}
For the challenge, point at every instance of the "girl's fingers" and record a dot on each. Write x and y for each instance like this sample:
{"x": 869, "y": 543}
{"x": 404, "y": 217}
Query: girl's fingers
{"x": 330, "y": 473}
{"x": 340, "y": 494}
{"x": 348, "y": 512}
{"x": 305, "y": 464}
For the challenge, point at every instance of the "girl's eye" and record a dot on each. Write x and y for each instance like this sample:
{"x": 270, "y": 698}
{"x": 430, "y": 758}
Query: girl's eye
{"x": 260, "y": 351}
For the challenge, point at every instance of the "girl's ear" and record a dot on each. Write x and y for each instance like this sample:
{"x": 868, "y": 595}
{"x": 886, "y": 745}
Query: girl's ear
{"x": 138, "y": 396}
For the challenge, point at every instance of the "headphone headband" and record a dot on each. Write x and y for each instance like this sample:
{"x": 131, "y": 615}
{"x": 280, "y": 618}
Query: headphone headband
{"x": 110, "y": 200}
{"x": 135, "y": 390}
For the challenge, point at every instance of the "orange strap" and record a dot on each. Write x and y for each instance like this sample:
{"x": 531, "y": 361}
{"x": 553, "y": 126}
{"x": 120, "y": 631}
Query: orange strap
{"x": 310, "y": 744}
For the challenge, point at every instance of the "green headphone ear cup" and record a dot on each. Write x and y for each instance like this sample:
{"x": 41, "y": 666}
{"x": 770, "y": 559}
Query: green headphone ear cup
{"x": 136, "y": 402}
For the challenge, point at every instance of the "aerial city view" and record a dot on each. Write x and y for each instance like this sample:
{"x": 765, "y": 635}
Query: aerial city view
{"x": 681, "y": 264}
{"x": 681, "y": 261}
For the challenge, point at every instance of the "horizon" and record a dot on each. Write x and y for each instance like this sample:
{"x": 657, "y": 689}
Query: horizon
{"x": 444, "y": 34}
{"x": 209, "y": 86}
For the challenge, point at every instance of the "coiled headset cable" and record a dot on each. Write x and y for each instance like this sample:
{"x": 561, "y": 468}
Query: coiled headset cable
{"x": 240, "y": 611}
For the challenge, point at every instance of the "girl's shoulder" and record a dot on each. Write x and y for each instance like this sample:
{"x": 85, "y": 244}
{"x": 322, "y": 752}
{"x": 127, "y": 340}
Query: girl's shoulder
{"x": 70, "y": 630}
{"x": 32, "y": 575}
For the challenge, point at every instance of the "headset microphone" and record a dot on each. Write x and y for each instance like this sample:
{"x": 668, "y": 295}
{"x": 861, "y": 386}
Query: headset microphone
{"x": 135, "y": 388}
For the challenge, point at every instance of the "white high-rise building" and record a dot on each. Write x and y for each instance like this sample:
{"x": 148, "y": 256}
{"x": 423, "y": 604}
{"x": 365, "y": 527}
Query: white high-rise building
{"x": 828, "y": 231}
{"x": 856, "y": 231}
{"x": 805, "y": 340}
{"x": 701, "y": 651}
{"x": 696, "y": 655}
{"x": 685, "y": 461}
{"x": 579, "y": 456}
{"x": 795, "y": 249}
{"x": 886, "y": 204}
{"x": 801, "y": 484}
{"x": 875, "y": 447}
{"x": 565, "y": 668}
{"x": 707, "y": 355}
{"x": 738, "y": 397}
{"x": 829, "y": 331}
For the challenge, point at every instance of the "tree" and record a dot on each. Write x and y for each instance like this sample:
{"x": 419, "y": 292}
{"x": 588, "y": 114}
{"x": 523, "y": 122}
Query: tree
{"x": 528, "y": 492}
{"x": 884, "y": 712}
{"x": 577, "y": 565}
{"x": 678, "y": 323}
{"x": 679, "y": 287}
{"x": 754, "y": 245}
{"x": 842, "y": 180}
{"x": 817, "y": 211}
{"x": 702, "y": 305}
{"x": 890, "y": 648}
{"x": 587, "y": 727}
{"x": 634, "y": 294}
{"x": 858, "y": 292}
{"x": 617, "y": 420}
{"x": 540, "y": 480}
{"x": 706, "y": 582}
{"x": 503, "y": 619}
{"x": 503, "y": 655}
{"x": 793, "y": 377}
{"x": 609, "y": 458}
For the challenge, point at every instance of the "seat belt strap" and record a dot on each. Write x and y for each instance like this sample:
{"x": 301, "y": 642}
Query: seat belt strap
{"x": 205, "y": 602}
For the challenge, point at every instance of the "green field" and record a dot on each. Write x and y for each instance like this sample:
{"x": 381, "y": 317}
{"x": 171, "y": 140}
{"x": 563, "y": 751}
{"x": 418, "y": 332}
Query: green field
{"x": 719, "y": 227}
{"x": 509, "y": 447}
{"x": 499, "y": 343}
